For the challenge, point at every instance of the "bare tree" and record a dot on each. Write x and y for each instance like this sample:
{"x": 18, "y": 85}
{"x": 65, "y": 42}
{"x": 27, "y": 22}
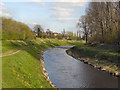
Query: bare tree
{"x": 83, "y": 25}
{"x": 39, "y": 30}
{"x": 49, "y": 33}
{"x": 102, "y": 22}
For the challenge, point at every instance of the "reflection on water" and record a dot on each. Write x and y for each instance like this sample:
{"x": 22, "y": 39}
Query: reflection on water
{"x": 67, "y": 72}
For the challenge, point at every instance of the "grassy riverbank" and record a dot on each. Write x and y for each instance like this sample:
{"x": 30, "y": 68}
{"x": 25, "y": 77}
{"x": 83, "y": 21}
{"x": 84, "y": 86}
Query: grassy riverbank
{"x": 24, "y": 69}
{"x": 104, "y": 57}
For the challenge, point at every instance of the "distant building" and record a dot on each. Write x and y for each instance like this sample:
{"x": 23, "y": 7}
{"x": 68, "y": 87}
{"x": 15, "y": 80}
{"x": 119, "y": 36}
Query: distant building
{"x": 55, "y": 33}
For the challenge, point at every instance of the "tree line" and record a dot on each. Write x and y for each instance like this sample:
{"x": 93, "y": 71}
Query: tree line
{"x": 39, "y": 31}
{"x": 13, "y": 30}
{"x": 100, "y": 24}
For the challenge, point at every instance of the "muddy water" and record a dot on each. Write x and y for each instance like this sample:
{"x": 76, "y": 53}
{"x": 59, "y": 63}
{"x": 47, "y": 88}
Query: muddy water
{"x": 67, "y": 72}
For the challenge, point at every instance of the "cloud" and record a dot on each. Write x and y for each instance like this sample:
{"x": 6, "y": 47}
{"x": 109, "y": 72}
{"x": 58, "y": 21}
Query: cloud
{"x": 67, "y": 19}
{"x": 61, "y": 11}
{"x": 66, "y": 0}
{"x": 62, "y": 14}
{"x": 2, "y": 6}
{"x": 61, "y": 0}
{"x": 64, "y": 11}
{"x": 5, "y": 15}
{"x": 38, "y": 2}
{"x": 69, "y": 4}
{"x": 28, "y": 22}
{"x": 34, "y": 23}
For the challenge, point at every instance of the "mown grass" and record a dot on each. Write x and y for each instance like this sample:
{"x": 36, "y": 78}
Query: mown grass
{"x": 105, "y": 52}
{"x": 10, "y": 45}
{"x": 101, "y": 55}
{"x": 24, "y": 70}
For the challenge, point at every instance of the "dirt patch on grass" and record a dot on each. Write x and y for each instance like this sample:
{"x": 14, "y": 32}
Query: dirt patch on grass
{"x": 10, "y": 53}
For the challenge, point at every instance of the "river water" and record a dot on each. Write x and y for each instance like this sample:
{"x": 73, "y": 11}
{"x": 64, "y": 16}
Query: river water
{"x": 67, "y": 72}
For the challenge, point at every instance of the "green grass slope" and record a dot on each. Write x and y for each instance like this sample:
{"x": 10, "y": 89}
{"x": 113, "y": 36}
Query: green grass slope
{"x": 24, "y": 70}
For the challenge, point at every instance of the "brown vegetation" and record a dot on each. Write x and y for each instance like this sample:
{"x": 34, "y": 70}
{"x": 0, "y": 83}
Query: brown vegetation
{"x": 101, "y": 22}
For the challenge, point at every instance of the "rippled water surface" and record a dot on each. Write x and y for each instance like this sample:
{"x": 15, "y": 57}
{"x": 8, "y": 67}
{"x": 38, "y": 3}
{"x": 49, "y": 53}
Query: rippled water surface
{"x": 67, "y": 72}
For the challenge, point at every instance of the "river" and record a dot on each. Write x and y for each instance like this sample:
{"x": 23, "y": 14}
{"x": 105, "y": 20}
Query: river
{"x": 67, "y": 72}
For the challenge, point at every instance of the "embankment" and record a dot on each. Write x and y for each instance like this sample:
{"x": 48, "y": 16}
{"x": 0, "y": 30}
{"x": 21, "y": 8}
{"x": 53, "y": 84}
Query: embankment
{"x": 25, "y": 69}
{"x": 103, "y": 57}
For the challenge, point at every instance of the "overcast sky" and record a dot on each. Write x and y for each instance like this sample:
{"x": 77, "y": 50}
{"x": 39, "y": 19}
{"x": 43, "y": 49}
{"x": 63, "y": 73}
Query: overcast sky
{"x": 49, "y": 14}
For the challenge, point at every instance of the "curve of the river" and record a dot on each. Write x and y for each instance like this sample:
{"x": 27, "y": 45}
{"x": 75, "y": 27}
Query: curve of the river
{"x": 67, "y": 72}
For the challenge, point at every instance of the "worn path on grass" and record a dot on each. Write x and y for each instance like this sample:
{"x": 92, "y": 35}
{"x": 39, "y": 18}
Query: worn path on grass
{"x": 10, "y": 53}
